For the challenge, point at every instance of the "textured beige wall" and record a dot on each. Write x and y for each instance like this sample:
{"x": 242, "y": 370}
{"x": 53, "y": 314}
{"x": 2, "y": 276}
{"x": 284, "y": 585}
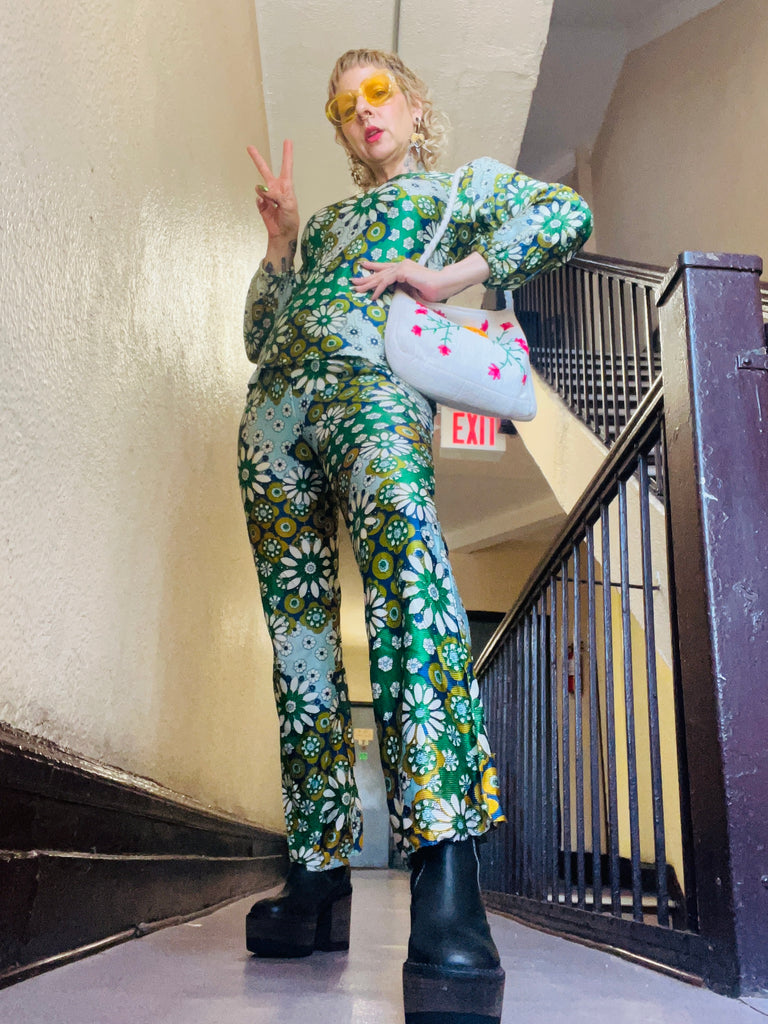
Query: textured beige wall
{"x": 129, "y": 612}
{"x": 680, "y": 159}
{"x": 492, "y": 579}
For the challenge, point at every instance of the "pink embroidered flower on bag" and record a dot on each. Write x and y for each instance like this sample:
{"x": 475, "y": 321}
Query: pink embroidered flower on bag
{"x": 525, "y": 377}
{"x": 523, "y": 344}
{"x": 420, "y": 309}
{"x": 506, "y": 326}
{"x": 439, "y": 312}
{"x": 416, "y": 330}
{"x": 494, "y": 371}
{"x": 484, "y": 326}
{"x": 443, "y": 350}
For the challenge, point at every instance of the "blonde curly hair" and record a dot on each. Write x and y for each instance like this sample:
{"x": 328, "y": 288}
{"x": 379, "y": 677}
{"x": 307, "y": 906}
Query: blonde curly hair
{"x": 434, "y": 125}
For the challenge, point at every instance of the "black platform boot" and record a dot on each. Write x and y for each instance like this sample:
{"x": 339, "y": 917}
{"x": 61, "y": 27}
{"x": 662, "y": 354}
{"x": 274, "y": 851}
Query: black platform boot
{"x": 312, "y": 911}
{"x": 452, "y": 974}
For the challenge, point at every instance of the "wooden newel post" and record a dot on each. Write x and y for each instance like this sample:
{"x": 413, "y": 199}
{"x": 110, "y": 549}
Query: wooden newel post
{"x": 716, "y": 413}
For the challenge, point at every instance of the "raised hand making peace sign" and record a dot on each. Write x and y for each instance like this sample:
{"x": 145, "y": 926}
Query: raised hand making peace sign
{"x": 276, "y": 201}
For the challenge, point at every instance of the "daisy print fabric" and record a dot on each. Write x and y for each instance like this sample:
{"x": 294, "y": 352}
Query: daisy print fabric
{"x": 359, "y": 448}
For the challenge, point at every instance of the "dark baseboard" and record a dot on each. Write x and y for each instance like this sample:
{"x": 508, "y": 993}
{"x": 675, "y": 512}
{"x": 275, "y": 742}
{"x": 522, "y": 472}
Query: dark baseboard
{"x": 90, "y": 855}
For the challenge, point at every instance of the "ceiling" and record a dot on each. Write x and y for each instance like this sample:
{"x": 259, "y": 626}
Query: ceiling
{"x": 587, "y": 44}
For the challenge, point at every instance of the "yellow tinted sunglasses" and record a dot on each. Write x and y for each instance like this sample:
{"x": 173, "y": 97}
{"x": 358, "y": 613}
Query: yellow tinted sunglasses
{"x": 375, "y": 90}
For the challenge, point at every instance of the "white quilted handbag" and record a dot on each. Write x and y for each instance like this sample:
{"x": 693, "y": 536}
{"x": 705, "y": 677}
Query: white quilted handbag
{"x": 471, "y": 359}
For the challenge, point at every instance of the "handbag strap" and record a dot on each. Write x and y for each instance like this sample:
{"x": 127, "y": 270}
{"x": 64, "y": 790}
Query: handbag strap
{"x": 457, "y": 176}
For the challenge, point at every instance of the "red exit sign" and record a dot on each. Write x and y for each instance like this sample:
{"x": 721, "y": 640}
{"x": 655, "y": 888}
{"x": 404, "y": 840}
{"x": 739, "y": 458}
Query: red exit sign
{"x": 470, "y": 432}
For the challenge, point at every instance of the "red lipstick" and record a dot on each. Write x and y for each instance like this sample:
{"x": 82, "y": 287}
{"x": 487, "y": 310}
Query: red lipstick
{"x": 372, "y": 134}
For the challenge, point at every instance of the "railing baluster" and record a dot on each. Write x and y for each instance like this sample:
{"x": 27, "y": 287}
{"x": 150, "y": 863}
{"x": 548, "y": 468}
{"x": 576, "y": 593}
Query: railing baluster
{"x": 565, "y": 710}
{"x": 636, "y": 355}
{"x": 506, "y": 764}
{"x": 629, "y": 706}
{"x": 623, "y": 358}
{"x": 595, "y": 753}
{"x": 554, "y": 749}
{"x": 566, "y": 345}
{"x": 584, "y": 335}
{"x": 653, "y": 700}
{"x": 601, "y": 367}
{"x": 520, "y": 761}
{"x": 580, "y": 870}
{"x": 544, "y": 775}
{"x": 527, "y": 774}
{"x": 536, "y": 755}
{"x": 555, "y": 333}
{"x": 545, "y": 327}
{"x": 650, "y": 310}
{"x": 574, "y": 316}
{"x": 611, "y": 362}
{"x": 610, "y": 715}
{"x": 592, "y": 361}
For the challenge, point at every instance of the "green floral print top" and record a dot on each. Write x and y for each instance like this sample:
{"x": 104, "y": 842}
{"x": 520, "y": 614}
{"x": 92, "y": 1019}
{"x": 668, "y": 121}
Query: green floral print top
{"x": 519, "y": 225}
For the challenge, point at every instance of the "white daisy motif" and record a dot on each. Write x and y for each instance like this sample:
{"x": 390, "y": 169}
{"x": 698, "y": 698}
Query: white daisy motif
{"x": 452, "y": 818}
{"x": 307, "y": 567}
{"x": 298, "y": 706}
{"x": 309, "y": 857}
{"x": 384, "y": 443}
{"x": 340, "y": 797}
{"x": 325, "y": 319}
{"x": 423, "y": 715}
{"x": 429, "y": 592}
{"x": 329, "y": 421}
{"x": 302, "y": 486}
{"x": 362, "y": 514}
{"x": 413, "y": 499}
{"x": 375, "y": 610}
{"x": 557, "y": 223}
{"x": 254, "y": 473}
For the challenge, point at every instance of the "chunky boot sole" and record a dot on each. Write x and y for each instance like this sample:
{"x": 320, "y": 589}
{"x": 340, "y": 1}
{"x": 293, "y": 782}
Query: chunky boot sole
{"x": 452, "y": 995}
{"x": 300, "y": 936}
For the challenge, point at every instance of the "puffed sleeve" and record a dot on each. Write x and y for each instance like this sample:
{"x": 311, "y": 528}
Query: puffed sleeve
{"x": 521, "y": 226}
{"x": 267, "y": 297}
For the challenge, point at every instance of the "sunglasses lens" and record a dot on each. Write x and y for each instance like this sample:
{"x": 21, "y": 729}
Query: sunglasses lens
{"x": 346, "y": 105}
{"x": 341, "y": 108}
{"x": 377, "y": 89}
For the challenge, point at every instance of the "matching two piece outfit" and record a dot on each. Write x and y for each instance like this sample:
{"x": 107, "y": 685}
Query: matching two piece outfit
{"x": 329, "y": 431}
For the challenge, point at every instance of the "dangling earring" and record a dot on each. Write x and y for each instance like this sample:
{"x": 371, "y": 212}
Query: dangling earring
{"x": 418, "y": 146}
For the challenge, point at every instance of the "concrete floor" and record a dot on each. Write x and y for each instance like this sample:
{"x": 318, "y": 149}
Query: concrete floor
{"x": 200, "y": 973}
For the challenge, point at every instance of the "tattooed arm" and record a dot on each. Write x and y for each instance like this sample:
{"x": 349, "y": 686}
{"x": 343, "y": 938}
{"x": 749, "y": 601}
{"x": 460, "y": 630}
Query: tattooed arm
{"x": 277, "y": 205}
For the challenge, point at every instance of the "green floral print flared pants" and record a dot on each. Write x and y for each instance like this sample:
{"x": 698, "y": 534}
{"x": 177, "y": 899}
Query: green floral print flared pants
{"x": 346, "y": 436}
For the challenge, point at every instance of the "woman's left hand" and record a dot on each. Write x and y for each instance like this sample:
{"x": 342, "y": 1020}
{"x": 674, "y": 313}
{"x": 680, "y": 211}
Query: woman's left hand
{"x": 420, "y": 282}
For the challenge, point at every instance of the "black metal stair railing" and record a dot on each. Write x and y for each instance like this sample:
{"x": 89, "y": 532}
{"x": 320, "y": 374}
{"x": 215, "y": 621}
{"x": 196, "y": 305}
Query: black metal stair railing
{"x": 624, "y": 689}
{"x": 592, "y": 774}
{"x": 593, "y": 331}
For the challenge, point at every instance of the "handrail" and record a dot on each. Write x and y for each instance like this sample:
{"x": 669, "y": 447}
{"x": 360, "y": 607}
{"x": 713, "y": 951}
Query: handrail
{"x": 628, "y": 270}
{"x": 639, "y": 273}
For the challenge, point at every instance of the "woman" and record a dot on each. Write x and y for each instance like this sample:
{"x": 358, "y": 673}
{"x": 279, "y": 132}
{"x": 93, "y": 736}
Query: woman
{"x": 328, "y": 429}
